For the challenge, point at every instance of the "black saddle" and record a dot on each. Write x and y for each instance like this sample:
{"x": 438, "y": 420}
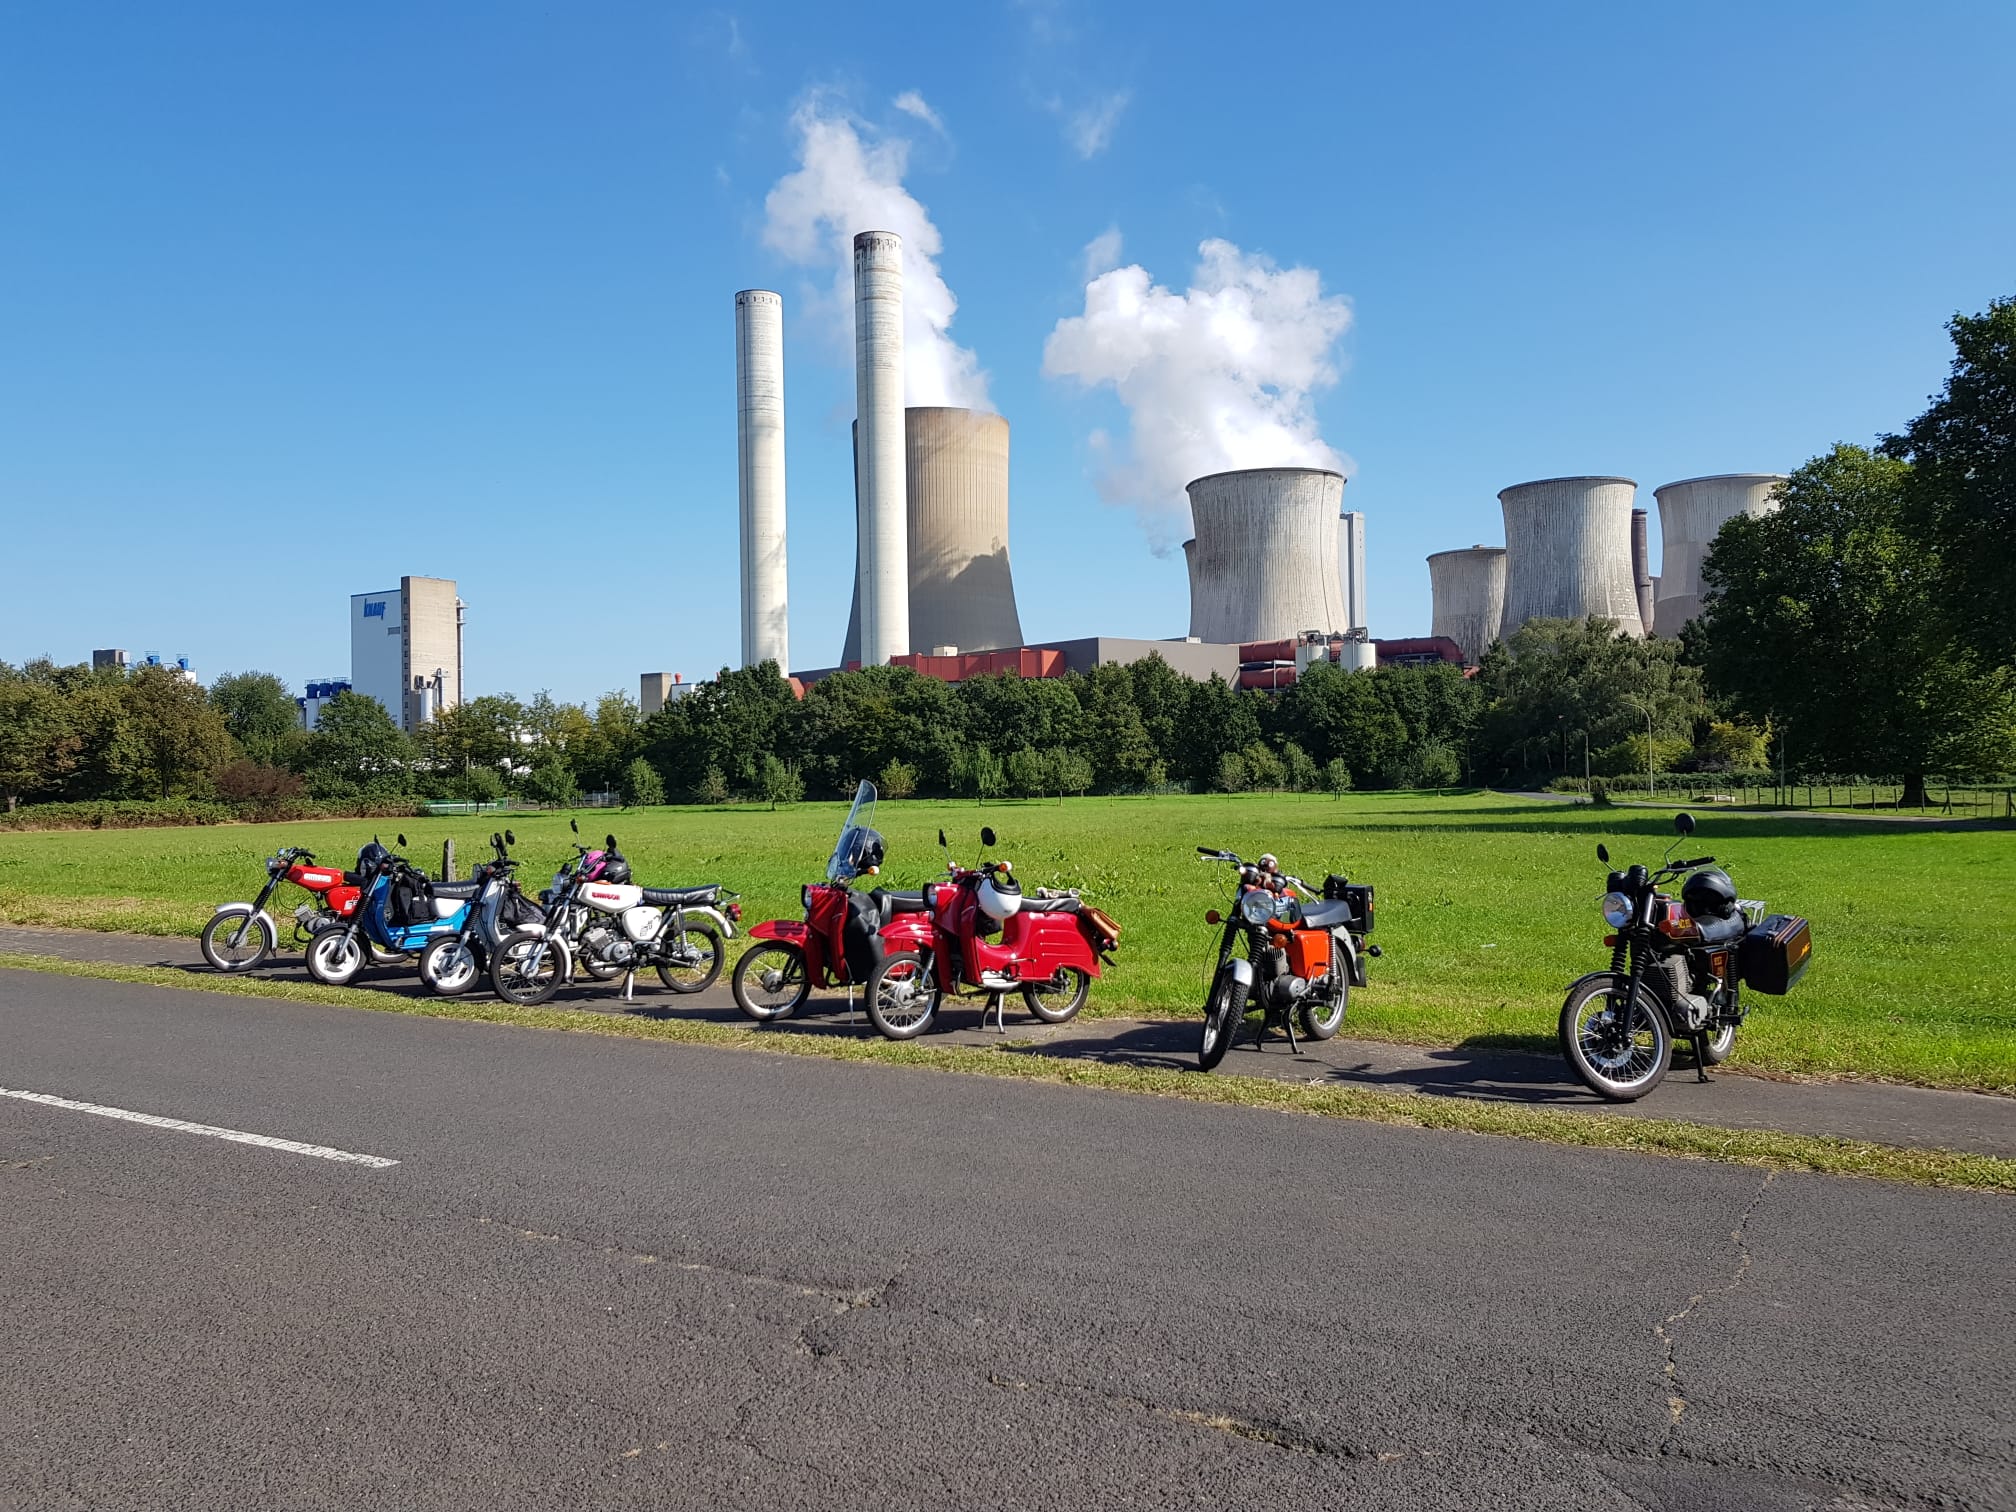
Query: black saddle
{"x": 1066, "y": 904}
{"x": 455, "y": 889}
{"x": 681, "y": 897}
{"x": 1331, "y": 913}
{"x": 889, "y": 904}
{"x": 1723, "y": 931}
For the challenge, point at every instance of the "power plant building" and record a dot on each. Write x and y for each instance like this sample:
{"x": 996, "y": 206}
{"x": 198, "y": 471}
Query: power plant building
{"x": 1351, "y": 566}
{"x": 1568, "y": 552}
{"x": 1469, "y": 597}
{"x": 1264, "y": 561}
{"x": 406, "y": 648}
{"x": 1691, "y": 512}
{"x": 759, "y": 436}
{"x": 882, "y": 579}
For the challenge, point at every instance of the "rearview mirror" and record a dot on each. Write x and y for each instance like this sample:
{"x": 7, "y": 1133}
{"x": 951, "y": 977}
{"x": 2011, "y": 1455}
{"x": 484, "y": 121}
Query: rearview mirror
{"x": 509, "y": 838}
{"x": 941, "y": 839}
{"x": 574, "y": 825}
{"x": 402, "y": 842}
{"x": 986, "y": 835}
{"x": 1684, "y": 823}
{"x": 609, "y": 841}
{"x": 1602, "y": 852}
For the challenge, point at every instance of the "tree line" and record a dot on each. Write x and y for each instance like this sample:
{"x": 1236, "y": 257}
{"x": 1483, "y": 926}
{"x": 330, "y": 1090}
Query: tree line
{"x": 1867, "y": 626}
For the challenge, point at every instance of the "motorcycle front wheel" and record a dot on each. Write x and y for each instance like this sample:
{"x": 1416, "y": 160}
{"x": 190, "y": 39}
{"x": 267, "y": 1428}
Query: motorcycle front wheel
{"x": 449, "y": 965}
{"x": 1223, "y": 1011}
{"x": 693, "y": 966}
{"x": 237, "y": 939}
{"x": 335, "y": 958}
{"x": 770, "y": 981}
{"x": 1619, "y": 1053}
{"x": 523, "y": 973}
{"x": 902, "y": 998}
{"x": 1058, "y": 1000}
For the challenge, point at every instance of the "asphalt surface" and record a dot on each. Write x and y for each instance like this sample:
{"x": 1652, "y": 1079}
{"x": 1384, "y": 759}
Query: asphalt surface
{"x": 1885, "y": 1113}
{"x": 609, "y": 1273}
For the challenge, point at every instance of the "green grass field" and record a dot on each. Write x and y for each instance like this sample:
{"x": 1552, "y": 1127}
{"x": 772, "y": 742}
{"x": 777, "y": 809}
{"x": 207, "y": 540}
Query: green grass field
{"x": 1486, "y": 908}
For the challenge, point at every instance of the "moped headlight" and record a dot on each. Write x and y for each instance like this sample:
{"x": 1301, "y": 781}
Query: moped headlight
{"x": 1616, "y": 910}
{"x": 1257, "y": 907}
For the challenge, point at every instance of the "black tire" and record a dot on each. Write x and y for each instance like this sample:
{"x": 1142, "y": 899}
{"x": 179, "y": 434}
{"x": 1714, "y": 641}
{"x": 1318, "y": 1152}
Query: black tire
{"x": 770, "y": 981}
{"x": 697, "y": 975}
{"x": 1224, "y": 1011}
{"x": 1721, "y": 1045}
{"x": 902, "y": 997}
{"x": 1058, "y": 1000}
{"x": 514, "y": 976}
{"x": 1321, "y": 1019}
{"x": 335, "y": 957}
{"x": 1610, "y": 1065}
{"x": 450, "y": 966}
{"x": 255, "y": 945}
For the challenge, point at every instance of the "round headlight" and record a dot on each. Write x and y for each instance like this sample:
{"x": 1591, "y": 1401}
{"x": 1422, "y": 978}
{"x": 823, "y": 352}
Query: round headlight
{"x": 1616, "y": 910}
{"x": 1257, "y": 907}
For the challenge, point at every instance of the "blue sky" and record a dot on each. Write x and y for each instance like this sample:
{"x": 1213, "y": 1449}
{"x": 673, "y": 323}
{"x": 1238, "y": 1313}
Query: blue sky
{"x": 296, "y": 299}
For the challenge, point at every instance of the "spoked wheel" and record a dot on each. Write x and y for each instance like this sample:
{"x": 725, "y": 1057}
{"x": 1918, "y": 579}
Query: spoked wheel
{"x": 1223, "y": 1011}
{"x": 1721, "y": 1045}
{"x": 335, "y": 957}
{"x": 692, "y": 964}
{"x": 527, "y": 968}
{"x": 902, "y": 998}
{"x": 1058, "y": 1000}
{"x": 449, "y": 965}
{"x": 1323, "y": 1016}
{"x": 1620, "y": 1051}
{"x": 770, "y": 981}
{"x": 237, "y": 939}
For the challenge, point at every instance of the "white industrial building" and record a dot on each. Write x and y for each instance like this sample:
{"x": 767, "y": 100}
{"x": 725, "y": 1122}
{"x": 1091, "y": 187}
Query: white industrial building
{"x": 406, "y": 648}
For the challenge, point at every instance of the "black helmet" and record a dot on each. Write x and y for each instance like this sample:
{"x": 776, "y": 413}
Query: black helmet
{"x": 1709, "y": 894}
{"x": 372, "y": 856}
{"x": 859, "y": 850}
{"x": 615, "y": 870}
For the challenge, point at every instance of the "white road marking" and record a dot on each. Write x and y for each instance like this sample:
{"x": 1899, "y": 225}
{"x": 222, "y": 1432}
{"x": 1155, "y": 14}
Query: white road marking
{"x": 183, "y": 1126}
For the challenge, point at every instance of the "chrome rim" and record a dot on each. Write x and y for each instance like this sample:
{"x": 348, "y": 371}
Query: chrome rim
{"x": 774, "y": 978}
{"x": 1327, "y": 1014}
{"x": 250, "y": 945}
{"x": 1620, "y": 1051}
{"x": 454, "y": 966}
{"x": 527, "y": 968}
{"x": 693, "y": 959}
{"x": 903, "y": 996}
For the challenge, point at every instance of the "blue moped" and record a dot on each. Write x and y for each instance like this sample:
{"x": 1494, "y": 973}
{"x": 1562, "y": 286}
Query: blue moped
{"x": 401, "y": 912}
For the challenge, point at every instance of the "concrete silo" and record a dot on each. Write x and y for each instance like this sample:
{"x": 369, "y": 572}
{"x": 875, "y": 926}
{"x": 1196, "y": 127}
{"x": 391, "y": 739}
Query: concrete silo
{"x": 1568, "y": 552}
{"x": 759, "y": 433}
{"x": 1690, "y": 514}
{"x": 1265, "y": 562}
{"x": 1469, "y": 592}
{"x": 882, "y": 580}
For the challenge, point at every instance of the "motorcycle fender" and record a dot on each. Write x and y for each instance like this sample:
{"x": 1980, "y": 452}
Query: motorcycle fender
{"x": 258, "y": 913}
{"x": 908, "y": 932}
{"x": 1354, "y": 963}
{"x": 715, "y": 917}
{"x": 1242, "y": 972}
{"x": 791, "y": 931}
{"x": 1619, "y": 979}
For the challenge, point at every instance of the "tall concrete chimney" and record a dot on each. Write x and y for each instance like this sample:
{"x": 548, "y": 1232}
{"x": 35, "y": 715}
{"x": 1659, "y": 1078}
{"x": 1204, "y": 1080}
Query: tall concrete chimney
{"x": 759, "y": 434}
{"x": 881, "y": 512}
{"x": 1641, "y": 568}
{"x": 1351, "y": 565}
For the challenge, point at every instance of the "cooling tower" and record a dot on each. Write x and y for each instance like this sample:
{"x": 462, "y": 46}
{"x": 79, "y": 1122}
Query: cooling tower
{"x": 759, "y": 432}
{"x": 961, "y": 592}
{"x": 1641, "y": 570}
{"x": 882, "y": 580}
{"x": 1469, "y": 591}
{"x": 1351, "y": 566}
{"x": 1690, "y": 513}
{"x": 1190, "y": 570}
{"x": 1568, "y": 552}
{"x": 1266, "y": 556}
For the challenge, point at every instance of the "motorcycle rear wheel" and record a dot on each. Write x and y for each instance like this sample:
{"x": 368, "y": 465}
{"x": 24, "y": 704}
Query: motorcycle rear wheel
{"x": 1617, "y": 1067}
{"x": 902, "y": 997}
{"x": 253, "y": 948}
{"x": 771, "y": 981}
{"x": 1721, "y": 1045}
{"x": 1322, "y": 1018}
{"x": 334, "y": 958}
{"x": 516, "y": 977}
{"x": 1224, "y": 1009}
{"x": 703, "y": 942}
{"x": 1058, "y": 1000}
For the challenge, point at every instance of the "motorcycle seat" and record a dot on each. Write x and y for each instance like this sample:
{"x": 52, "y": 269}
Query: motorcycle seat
{"x": 1327, "y": 913}
{"x": 353, "y": 879}
{"x": 1066, "y": 904}
{"x": 892, "y": 903}
{"x": 681, "y": 897}
{"x": 1722, "y": 931}
{"x": 456, "y": 889}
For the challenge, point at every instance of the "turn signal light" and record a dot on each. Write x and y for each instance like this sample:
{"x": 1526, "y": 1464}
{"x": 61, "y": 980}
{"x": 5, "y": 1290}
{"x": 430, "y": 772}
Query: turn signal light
{"x": 1212, "y": 916}
{"x": 1611, "y": 941}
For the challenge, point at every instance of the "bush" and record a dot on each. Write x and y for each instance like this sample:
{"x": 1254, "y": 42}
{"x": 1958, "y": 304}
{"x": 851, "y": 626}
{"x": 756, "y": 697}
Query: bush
{"x": 552, "y": 781}
{"x": 642, "y": 787}
{"x": 712, "y": 787}
{"x": 1265, "y": 771}
{"x": 1627, "y": 757}
{"x": 1072, "y": 773}
{"x": 1028, "y": 774}
{"x": 245, "y": 779}
{"x": 1232, "y": 776}
{"x": 898, "y": 779}
{"x": 477, "y": 785}
{"x": 174, "y": 813}
{"x": 779, "y": 783}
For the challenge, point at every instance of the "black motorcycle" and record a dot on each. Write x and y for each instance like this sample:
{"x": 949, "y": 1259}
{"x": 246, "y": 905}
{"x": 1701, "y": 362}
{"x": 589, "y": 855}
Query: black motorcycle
{"x": 1677, "y": 968}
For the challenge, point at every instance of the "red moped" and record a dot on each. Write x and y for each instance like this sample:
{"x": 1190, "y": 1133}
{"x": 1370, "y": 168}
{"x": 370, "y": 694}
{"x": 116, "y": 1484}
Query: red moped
{"x": 1050, "y": 948}
{"x": 844, "y": 935}
{"x": 241, "y": 936}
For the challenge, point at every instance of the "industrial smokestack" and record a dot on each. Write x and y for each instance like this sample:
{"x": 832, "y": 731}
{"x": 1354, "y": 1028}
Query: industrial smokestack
{"x": 883, "y": 575}
{"x": 1641, "y": 569}
{"x": 1568, "y": 552}
{"x": 1351, "y": 566}
{"x": 1469, "y": 592}
{"x": 759, "y": 434}
{"x": 1690, "y": 514}
{"x": 1266, "y": 557}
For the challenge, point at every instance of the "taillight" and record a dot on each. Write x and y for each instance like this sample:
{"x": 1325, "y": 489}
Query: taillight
{"x": 735, "y": 912}
{"x": 1212, "y": 916}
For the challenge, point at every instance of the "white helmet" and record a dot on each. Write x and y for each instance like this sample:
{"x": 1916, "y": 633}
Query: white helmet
{"x": 997, "y": 904}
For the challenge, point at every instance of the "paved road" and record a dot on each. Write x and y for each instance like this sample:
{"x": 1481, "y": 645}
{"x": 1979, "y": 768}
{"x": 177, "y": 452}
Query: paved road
{"x": 1887, "y": 1114}
{"x": 608, "y": 1273}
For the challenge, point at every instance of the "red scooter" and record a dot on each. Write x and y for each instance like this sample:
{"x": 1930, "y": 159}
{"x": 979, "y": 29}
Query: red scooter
{"x": 1049, "y": 950}
{"x": 843, "y": 936}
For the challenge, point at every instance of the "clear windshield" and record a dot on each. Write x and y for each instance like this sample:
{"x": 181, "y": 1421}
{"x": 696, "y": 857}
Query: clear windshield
{"x": 860, "y": 816}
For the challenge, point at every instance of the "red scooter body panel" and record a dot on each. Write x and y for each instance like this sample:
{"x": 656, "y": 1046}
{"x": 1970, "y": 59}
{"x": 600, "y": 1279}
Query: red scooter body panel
{"x": 326, "y": 882}
{"x": 792, "y": 931}
{"x": 1033, "y": 947}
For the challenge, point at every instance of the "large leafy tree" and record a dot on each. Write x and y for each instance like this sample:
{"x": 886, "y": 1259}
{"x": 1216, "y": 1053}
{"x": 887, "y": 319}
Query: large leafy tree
{"x": 355, "y": 750}
{"x": 1333, "y": 714}
{"x": 180, "y": 735}
{"x": 1822, "y": 618}
{"x": 1960, "y": 495}
{"x": 260, "y": 714}
{"x": 38, "y": 740}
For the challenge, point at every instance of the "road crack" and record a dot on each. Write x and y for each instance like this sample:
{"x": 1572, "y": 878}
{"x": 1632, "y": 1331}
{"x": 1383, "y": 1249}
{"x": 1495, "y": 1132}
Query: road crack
{"x": 1667, "y": 1331}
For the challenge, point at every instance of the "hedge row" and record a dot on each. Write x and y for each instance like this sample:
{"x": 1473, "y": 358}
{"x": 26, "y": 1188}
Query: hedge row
{"x": 174, "y": 812}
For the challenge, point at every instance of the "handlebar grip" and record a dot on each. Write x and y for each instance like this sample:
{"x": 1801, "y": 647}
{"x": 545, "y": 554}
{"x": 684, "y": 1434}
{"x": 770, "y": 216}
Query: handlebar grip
{"x": 1205, "y": 850}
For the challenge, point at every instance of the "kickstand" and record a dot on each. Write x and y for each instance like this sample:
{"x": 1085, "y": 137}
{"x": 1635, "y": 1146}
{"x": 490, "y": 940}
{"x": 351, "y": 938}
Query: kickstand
{"x": 1288, "y": 1023}
{"x": 995, "y": 1000}
{"x": 629, "y": 983}
{"x": 850, "y": 1005}
{"x": 1700, "y": 1057}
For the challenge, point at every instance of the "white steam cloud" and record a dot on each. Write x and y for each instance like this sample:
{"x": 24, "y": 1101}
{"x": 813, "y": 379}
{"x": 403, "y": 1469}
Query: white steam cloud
{"x": 847, "y": 180}
{"x": 1218, "y": 377}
